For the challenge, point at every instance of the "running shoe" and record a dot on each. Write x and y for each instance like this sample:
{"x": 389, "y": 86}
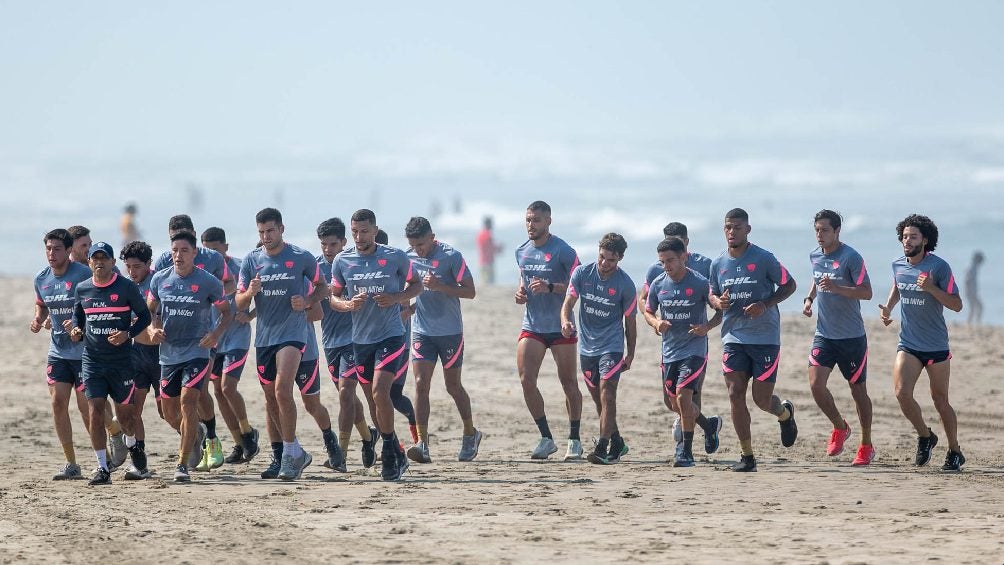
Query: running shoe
{"x": 336, "y": 459}
{"x": 292, "y": 467}
{"x": 272, "y": 471}
{"x": 138, "y": 457}
{"x": 837, "y": 439}
{"x": 118, "y": 452}
{"x": 866, "y": 454}
{"x": 954, "y": 461}
{"x": 711, "y": 440}
{"x": 236, "y": 455}
{"x": 678, "y": 437}
{"x": 686, "y": 459}
{"x": 545, "y": 448}
{"x": 599, "y": 455}
{"x": 789, "y": 430}
{"x": 746, "y": 464}
{"x": 574, "y": 451}
{"x": 69, "y": 471}
{"x": 469, "y": 446}
{"x": 101, "y": 477}
{"x": 390, "y": 464}
{"x": 204, "y": 463}
{"x": 419, "y": 453}
{"x": 195, "y": 457}
{"x": 136, "y": 474}
{"x": 249, "y": 442}
{"x": 369, "y": 449}
{"x": 181, "y": 473}
{"x": 618, "y": 449}
{"x": 215, "y": 453}
{"x": 924, "y": 447}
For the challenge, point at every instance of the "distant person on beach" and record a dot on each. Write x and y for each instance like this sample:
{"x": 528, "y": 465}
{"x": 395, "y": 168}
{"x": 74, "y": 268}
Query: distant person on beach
{"x": 127, "y": 225}
{"x": 487, "y": 250}
{"x": 924, "y": 286}
{"x": 972, "y": 290}
{"x": 839, "y": 283}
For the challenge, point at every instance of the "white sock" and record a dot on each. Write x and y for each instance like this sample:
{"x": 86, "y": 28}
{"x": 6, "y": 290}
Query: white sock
{"x": 102, "y": 456}
{"x": 130, "y": 441}
{"x": 291, "y": 447}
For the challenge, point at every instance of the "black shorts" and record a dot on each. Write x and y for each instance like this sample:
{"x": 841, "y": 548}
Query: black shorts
{"x": 64, "y": 371}
{"x": 756, "y": 360}
{"x": 390, "y": 355}
{"x": 306, "y": 377}
{"x": 606, "y": 367}
{"x": 927, "y": 357}
{"x": 190, "y": 374}
{"x": 103, "y": 379}
{"x": 851, "y": 355}
{"x": 449, "y": 349}
{"x": 265, "y": 359}
{"x": 341, "y": 362}
{"x": 684, "y": 373}
{"x": 230, "y": 364}
{"x": 146, "y": 375}
{"x": 549, "y": 339}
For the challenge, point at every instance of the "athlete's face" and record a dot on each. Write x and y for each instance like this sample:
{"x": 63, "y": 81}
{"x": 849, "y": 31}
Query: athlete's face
{"x": 826, "y": 236}
{"x": 101, "y": 265}
{"x": 364, "y": 235}
{"x": 913, "y": 241}
{"x": 56, "y": 253}
{"x": 537, "y": 224}
{"x": 674, "y": 264}
{"x": 183, "y": 255}
{"x": 332, "y": 245}
{"x": 423, "y": 245}
{"x": 270, "y": 234}
{"x": 737, "y": 232}
{"x": 137, "y": 269}
{"x": 217, "y": 246}
{"x": 606, "y": 262}
{"x": 81, "y": 246}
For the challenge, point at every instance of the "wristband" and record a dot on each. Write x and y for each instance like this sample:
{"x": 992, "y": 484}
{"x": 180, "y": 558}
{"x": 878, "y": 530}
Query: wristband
{"x": 809, "y": 298}
{"x": 550, "y": 287}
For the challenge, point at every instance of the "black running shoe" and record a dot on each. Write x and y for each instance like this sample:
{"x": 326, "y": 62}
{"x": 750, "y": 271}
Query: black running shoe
{"x": 336, "y": 459}
{"x": 711, "y": 440}
{"x": 746, "y": 464}
{"x": 249, "y": 443}
{"x": 272, "y": 471}
{"x": 101, "y": 477}
{"x": 924, "y": 447}
{"x": 954, "y": 461}
{"x": 402, "y": 460}
{"x": 616, "y": 450}
{"x": 390, "y": 463}
{"x": 236, "y": 455}
{"x": 369, "y": 449}
{"x": 789, "y": 429}
{"x": 181, "y": 473}
{"x": 138, "y": 457}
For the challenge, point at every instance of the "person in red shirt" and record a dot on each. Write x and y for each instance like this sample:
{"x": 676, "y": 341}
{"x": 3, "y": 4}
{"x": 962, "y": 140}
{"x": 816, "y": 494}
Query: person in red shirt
{"x": 487, "y": 250}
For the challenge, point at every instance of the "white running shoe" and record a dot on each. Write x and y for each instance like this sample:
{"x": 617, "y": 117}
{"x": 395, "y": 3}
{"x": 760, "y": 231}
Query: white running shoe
{"x": 419, "y": 453}
{"x": 545, "y": 448}
{"x": 574, "y": 450}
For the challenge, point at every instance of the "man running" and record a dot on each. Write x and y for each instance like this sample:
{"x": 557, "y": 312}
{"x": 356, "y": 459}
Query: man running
{"x": 183, "y": 297}
{"x": 54, "y": 289}
{"x": 839, "y": 284}
{"x": 607, "y": 317}
{"x": 81, "y": 244}
{"x": 228, "y": 365}
{"x": 336, "y": 337}
{"x": 104, "y": 308}
{"x": 272, "y": 276}
{"x": 747, "y": 284}
{"x": 378, "y": 279}
{"x": 677, "y": 310}
{"x": 924, "y": 286}
{"x": 545, "y": 264}
{"x": 438, "y": 332}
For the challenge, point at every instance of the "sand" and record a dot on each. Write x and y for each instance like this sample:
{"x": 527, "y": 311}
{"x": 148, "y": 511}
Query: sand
{"x": 802, "y": 506}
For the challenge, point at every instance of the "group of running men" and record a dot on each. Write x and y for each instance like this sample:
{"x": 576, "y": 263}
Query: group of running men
{"x": 174, "y": 324}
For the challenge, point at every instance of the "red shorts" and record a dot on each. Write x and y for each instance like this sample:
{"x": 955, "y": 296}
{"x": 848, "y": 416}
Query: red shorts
{"x": 549, "y": 339}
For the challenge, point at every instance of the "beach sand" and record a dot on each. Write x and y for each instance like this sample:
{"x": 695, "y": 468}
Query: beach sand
{"x": 801, "y": 506}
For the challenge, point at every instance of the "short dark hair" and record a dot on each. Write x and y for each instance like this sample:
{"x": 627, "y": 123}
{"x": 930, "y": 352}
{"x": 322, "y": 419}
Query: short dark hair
{"x": 614, "y": 242}
{"x": 673, "y": 244}
{"x": 540, "y": 206}
{"x": 926, "y": 226}
{"x": 737, "y": 214}
{"x": 364, "y": 215}
{"x": 331, "y": 226}
{"x": 185, "y": 235}
{"x": 181, "y": 222}
{"x": 61, "y": 235}
{"x": 417, "y": 227}
{"x": 139, "y": 250}
{"x": 381, "y": 237}
{"x": 266, "y": 215}
{"x": 130, "y": 208}
{"x": 675, "y": 228}
{"x": 215, "y": 234}
{"x": 77, "y": 232}
{"x": 833, "y": 217}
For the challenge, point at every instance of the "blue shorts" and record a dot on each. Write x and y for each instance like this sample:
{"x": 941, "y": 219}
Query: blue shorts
{"x": 102, "y": 380}
{"x": 190, "y": 374}
{"x": 449, "y": 349}
{"x": 64, "y": 371}
{"x": 606, "y": 367}
{"x": 341, "y": 362}
{"x": 265, "y": 359}
{"x": 756, "y": 360}
{"x": 684, "y": 373}
{"x": 146, "y": 375}
{"x": 306, "y": 377}
{"x": 927, "y": 357}
{"x": 230, "y": 364}
{"x": 851, "y": 355}
{"x": 390, "y": 355}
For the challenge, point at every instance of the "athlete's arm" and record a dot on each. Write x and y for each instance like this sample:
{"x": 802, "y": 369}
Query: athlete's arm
{"x": 631, "y": 337}
{"x": 463, "y": 289}
{"x": 568, "y": 315}
{"x": 340, "y": 304}
{"x": 244, "y": 298}
{"x": 807, "y": 302}
{"x": 155, "y": 331}
{"x": 520, "y": 296}
{"x": 212, "y": 338}
{"x": 781, "y": 294}
{"x": 885, "y": 310}
{"x": 951, "y": 301}
{"x": 76, "y": 331}
{"x": 141, "y": 312}
{"x": 41, "y": 314}
{"x": 862, "y": 291}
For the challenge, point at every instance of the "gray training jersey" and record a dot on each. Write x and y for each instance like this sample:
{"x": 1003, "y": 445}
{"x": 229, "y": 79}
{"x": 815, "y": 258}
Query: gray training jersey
{"x": 385, "y": 271}
{"x": 336, "y": 327}
{"x": 553, "y": 262}
{"x": 186, "y": 305}
{"x": 281, "y": 279}
{"x": 57, "y": 294}
{"x": 923, "y": 327}
{"x": 603, "y": 305}
{"x": 238, "y": 335}
{"x": 205, "y": 259}
{"x": 839, "y": 317}
{"x": 682, "y": 304}
{"x": 437, "y": 313}
{"x": 695, "y": 262}
{"x": 750, "y": 278}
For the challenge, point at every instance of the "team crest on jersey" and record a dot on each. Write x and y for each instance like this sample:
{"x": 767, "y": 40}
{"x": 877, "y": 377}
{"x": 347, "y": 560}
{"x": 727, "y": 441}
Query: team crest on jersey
{"x": 201, "y": 265}
{"x": 289, "y": 264}
{"x": 382, "y": 262}
{"x": 195, "y": 288}
{"x": 836, "y": 264}
{"x": 611, "y": 291}
{"x": 547, "y": 256}
{"x": 435, "y": 263}
{"x": 69, "y": 285}
{"x": 114, "y": 297}
{"x": 417, "y": 345}
{"x": 751, "y": 267}
{"x": 689, "y": 292}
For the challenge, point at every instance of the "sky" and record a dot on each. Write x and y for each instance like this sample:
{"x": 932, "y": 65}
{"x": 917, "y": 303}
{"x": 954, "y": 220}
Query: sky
{"x": 118, "y": 80}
